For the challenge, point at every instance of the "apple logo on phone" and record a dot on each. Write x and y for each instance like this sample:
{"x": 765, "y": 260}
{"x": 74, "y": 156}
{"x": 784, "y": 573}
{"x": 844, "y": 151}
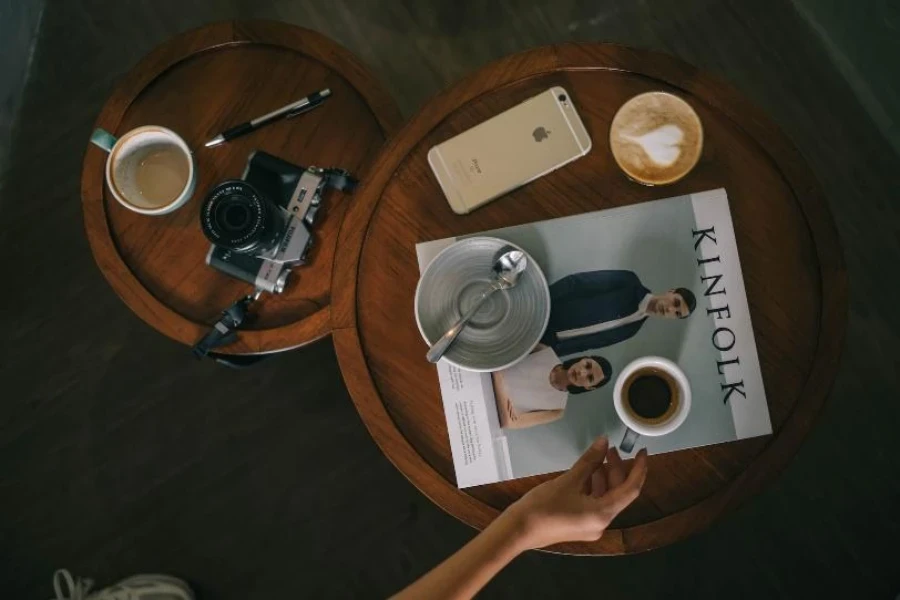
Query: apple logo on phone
{"x": 540, "y": 134}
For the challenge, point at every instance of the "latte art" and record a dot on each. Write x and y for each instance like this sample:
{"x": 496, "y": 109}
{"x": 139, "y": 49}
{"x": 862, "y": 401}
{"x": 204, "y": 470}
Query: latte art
{"x": 662, "y": 145}
{"x": 656, "y": 138}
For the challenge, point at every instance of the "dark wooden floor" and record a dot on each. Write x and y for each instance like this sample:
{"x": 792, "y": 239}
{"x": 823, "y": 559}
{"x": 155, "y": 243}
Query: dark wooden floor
{"x": 120, "y": 454}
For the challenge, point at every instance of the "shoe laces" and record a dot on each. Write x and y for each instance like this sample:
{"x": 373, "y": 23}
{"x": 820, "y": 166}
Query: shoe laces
{"x": 77, "y": 589}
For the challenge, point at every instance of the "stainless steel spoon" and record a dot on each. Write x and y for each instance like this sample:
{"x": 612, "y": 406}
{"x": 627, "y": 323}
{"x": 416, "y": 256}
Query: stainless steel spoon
{"x": 507, "y": 270}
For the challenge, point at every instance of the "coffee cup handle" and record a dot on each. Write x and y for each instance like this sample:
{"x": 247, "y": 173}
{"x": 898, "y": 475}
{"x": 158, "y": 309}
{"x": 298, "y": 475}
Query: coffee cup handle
{"x": 103, "y": 139}
{"x": 628, "y": 441}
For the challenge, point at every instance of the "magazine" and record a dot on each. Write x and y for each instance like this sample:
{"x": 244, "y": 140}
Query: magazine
{"x": 603, "y": 268}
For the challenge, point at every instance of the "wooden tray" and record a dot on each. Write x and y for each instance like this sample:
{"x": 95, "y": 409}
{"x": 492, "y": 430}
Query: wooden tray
{"x": 793, "y": 270}
{"x": 198, "y": 84}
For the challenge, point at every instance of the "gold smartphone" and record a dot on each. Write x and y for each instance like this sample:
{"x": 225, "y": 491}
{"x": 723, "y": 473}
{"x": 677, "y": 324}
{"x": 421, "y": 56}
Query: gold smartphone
{"x": 523, "y": 143}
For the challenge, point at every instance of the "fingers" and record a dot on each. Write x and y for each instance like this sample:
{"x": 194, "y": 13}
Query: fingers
{"x": 592, "y": 458}
{"x": 598, "y": 484}
{"x": 621, "y": 496}
{"x": 638, "y": 471}
{"x": 615, "y": 472}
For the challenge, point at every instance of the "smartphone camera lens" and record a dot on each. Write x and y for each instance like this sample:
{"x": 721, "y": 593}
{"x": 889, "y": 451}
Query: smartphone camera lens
{"x": 562, "y": 98}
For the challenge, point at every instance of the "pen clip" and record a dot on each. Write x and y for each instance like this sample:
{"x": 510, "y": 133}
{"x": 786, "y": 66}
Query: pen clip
{"x": 302, "y": 109}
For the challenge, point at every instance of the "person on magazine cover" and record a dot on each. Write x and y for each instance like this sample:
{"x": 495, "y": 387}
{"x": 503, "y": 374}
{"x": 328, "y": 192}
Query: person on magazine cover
{"x": 595, "y": 309}
{"x": 535, "y": 390}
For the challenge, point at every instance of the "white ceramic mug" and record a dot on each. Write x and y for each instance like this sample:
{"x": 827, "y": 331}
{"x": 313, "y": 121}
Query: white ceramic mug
{"x": 144, "y": 170}
{"x": 636, "y": 428}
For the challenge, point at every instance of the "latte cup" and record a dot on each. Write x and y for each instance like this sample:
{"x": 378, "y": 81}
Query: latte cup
{"x": 150, "y": 170}
{"x": 639, "y": 398}
{"x": 656, "y": 138}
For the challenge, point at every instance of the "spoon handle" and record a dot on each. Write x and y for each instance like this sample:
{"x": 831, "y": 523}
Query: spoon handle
{"x": 440, "y": 347}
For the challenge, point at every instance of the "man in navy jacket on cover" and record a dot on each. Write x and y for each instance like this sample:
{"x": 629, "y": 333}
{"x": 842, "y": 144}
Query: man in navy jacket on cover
{"x": 595, "y": 309}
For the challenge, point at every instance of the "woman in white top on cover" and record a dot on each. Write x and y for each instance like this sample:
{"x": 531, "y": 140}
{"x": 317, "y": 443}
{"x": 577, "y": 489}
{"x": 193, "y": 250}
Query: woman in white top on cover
{"x": 535, "y": 391}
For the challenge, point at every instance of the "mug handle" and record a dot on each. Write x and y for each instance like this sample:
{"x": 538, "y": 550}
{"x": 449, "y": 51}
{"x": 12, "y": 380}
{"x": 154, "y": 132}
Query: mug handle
{"x": 628, "y": 441}
{"x": 103, "y": 139}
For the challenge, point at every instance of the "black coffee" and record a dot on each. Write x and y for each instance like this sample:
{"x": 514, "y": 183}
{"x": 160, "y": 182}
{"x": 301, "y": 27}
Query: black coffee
{"x": 650, "y": 396}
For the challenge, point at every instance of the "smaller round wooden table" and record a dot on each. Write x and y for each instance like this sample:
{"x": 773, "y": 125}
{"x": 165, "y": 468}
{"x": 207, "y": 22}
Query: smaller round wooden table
{"x": 793, "y": 270}
{"x": 199, "y": 84}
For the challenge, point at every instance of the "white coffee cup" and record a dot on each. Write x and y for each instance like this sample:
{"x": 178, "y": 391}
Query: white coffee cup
{"x": 149, "y": 170}
{"x": 667, "y": 423}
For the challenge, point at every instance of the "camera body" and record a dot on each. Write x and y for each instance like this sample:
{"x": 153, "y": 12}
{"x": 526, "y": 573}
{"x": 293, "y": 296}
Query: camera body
{"x": 260, "y": 225}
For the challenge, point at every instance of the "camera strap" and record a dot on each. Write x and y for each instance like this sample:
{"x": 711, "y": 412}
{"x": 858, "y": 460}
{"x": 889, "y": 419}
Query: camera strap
{"x": 339, "y": 179}
{"x": 224, "y": 331}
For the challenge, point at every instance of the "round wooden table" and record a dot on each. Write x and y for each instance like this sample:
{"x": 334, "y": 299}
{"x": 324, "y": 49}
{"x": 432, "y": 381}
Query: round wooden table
{"x": 793, "y": 269}
{"x": 199, "y": 84}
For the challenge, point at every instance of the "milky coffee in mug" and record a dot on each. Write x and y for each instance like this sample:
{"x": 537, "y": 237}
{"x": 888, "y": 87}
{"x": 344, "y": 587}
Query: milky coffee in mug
{"x": 656, "y": 138}
{"x": 150, "y": 170}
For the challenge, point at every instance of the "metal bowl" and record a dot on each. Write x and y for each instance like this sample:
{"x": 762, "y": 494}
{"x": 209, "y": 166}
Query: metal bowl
{"x": 505, "y": 329}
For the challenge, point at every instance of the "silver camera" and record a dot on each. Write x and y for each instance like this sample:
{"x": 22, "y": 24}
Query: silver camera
{"x": 260, "y": 225}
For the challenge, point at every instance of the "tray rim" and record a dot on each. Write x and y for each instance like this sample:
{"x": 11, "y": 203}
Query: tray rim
{"x": 745, "y": 116}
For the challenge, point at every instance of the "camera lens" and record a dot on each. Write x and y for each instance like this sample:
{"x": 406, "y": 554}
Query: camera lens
{"x": 562, "y": 97}
{"x": 237, "y": 217}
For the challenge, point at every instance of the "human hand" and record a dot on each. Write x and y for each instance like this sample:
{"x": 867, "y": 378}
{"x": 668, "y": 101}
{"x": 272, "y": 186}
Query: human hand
{"x": 579, "y": 505}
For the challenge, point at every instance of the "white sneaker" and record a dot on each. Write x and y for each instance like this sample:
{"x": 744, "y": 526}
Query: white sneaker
{"x": 138, "y": 587}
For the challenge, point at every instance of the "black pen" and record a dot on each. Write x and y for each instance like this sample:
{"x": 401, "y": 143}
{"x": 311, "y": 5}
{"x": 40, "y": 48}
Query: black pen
{"x": 291, "y": 110}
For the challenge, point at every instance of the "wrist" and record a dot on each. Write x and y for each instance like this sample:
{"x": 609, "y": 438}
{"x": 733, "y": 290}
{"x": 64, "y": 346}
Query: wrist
{"x": 513, "y": 529}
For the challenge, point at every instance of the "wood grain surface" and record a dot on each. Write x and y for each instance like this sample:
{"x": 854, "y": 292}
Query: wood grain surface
{"x": 199, "y": 84}
{"x": 793, "y": 270}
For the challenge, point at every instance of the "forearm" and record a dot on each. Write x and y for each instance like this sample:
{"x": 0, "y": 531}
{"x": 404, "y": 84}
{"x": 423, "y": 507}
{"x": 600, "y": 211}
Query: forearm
{"x": 468, "y": 570}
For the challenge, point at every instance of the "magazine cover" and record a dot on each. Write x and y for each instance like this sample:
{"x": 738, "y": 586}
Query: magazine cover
{"x": 660, "y": 278}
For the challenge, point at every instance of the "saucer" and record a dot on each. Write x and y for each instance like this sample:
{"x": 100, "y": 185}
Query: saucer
{"x": 507, "y": 326}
